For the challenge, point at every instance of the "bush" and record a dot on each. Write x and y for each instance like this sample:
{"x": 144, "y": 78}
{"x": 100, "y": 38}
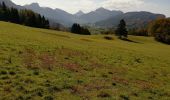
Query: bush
{"x": 104, "y": 95}
{"x": 163, "y": 37}
{"x": 12, "y": 73}
{"x": 108, "y": 38}
{"x": 160, "y": 29}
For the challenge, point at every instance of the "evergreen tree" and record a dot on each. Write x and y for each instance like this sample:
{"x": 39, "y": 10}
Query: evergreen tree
{"x": 45, "y": 22}
{"x": 25, "y": 17}
{"x": 77, "y": 29}
{"x": 1, "y": 12}
{"x": 5, "y": 11}
{"x": 121, "y": 29}
{"x": 14, "y": 15}
{"x": 39, "y": 20}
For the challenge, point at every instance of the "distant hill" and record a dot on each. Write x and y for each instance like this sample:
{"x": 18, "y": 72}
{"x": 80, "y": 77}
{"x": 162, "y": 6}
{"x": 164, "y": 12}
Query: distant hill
{"x": 99, "y": 14}
{"x": 133, "y": 19}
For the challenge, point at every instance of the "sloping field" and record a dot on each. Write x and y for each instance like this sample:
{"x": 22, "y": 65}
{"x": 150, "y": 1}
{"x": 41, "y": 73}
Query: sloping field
{"x": 39, "y": 64}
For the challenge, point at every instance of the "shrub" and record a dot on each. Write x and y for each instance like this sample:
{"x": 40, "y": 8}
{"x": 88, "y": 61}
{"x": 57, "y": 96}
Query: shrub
{"x": 114, "y": 84}
{"x": 104, "y": 95}
{"x": 12, "y": 73}
{"x": 108, "y": 38}
{"x": 36, "y": 72}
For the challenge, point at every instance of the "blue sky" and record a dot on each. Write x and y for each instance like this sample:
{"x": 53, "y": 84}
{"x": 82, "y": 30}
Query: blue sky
{"x": 72, "y": 6}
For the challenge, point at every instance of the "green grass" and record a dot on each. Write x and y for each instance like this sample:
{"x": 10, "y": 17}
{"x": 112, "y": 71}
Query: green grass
{"x": 39, "y": 64}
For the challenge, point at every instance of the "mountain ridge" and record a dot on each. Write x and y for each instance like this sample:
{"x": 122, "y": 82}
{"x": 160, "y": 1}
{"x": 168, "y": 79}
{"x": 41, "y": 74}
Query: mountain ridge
{"x": 79, "y": 13}
{"x": 133, "y": 19}
{"x": 68, "y": 19}
{"x": 100, "y": 17}
{"x": 99, "y": 14}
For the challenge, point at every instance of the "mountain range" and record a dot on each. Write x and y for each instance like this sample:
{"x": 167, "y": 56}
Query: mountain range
{"x": 133, "y": 19}
{"x": 68, "y": 19}
{"x": 101, "y": 17}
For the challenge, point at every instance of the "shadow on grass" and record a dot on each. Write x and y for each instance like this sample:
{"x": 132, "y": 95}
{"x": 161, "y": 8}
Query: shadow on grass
{"x": 128, "y": 40}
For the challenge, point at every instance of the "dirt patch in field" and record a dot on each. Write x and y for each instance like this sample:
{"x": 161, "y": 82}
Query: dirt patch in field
{"x": 144, "y": 84}
{"x": 74, "y": 67}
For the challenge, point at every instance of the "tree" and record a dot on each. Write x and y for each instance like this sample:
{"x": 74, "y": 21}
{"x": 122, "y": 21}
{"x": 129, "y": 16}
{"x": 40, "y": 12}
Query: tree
{"x": 160, "y": 29}
{"x": 25, "y": 17}
{"x": 77, "y": 29}
{"x": 5, "y": 12}
{"x": 45, "y": 22}
{"x": 138, "y": 31}
{"x": 14, "y": 15}
{"x": 85, "y": 31}
{"x": 121, "y": 29}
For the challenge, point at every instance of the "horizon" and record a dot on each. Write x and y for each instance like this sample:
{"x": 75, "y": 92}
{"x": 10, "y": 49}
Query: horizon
{"x": 91, "y": 5}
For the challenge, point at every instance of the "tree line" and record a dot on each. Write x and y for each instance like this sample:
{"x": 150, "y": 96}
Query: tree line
{"x": 24, "y": 17}
{"x": 159, "y": 29}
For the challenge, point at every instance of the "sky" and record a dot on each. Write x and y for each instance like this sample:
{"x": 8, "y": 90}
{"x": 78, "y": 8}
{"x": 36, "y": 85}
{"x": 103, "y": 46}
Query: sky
{"x": 73, "y": 6}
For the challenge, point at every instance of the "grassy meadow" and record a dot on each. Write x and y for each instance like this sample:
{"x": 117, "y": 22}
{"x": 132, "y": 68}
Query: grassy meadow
{"x": 40, "y": 64}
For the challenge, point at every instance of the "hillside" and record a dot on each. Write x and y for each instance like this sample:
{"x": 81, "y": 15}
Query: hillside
{"x": 99, "y": 15}
{"x": 133, "y": 19}
{"x": 40, "y": 64}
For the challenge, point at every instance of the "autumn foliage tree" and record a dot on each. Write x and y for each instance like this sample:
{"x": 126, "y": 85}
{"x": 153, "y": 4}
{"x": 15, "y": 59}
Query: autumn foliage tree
{"x": 160, "y": 29}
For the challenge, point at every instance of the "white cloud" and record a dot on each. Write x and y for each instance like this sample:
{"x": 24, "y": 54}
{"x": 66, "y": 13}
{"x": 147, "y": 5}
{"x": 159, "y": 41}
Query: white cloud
{"x": 121, "y": 4}
{"x": 85, "y": 5}
{"x": 75, "y": 5}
